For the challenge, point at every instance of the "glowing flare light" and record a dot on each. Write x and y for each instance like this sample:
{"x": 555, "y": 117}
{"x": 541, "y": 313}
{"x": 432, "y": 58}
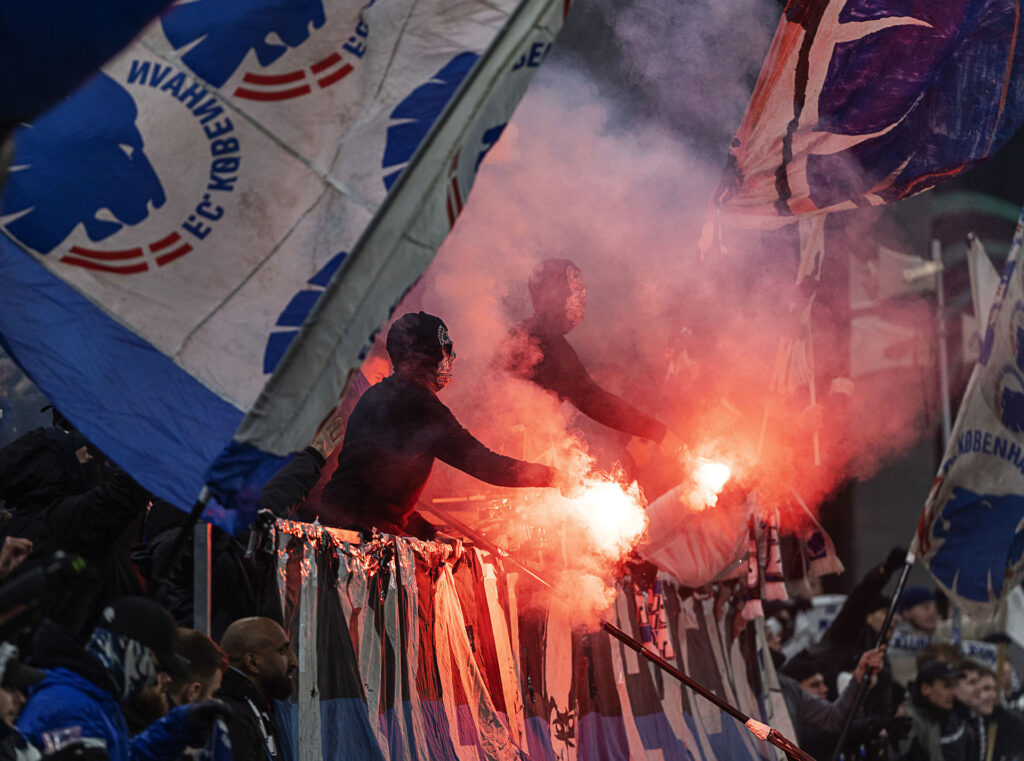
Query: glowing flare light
{"x": 709, "y": 477}
{"x": 612, "y": 514}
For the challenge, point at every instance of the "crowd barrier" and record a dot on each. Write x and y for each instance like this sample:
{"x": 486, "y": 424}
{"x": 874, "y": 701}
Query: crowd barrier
{"x": 409, "y": 650}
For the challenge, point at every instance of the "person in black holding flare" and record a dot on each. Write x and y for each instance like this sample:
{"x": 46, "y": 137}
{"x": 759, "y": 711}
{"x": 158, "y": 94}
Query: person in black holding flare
{"x": 541, "y": 353}
{"x": 399, "y": 427}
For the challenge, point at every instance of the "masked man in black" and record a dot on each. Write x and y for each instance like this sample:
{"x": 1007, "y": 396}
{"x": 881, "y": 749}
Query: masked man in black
{"x": 399, "y": 427}
{"x": 539, "y": 352}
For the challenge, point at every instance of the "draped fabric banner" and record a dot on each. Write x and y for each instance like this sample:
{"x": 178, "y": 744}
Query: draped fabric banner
{"x": 407, "y": 651}
{"x": 169, "y": 228}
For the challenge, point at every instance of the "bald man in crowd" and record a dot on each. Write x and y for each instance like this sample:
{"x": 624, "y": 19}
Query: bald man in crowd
{"x": 262, "y": 663}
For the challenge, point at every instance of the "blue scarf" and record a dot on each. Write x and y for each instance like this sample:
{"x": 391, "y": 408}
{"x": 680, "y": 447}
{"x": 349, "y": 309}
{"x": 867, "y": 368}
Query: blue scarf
{"x": 132, "y": 665}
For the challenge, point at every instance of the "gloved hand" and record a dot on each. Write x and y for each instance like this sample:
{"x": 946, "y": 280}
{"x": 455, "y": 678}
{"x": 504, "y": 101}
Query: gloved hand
{"x": 201, "y": 717}
{"x": 896, "y": 728}
{"x": 897, "y": 557}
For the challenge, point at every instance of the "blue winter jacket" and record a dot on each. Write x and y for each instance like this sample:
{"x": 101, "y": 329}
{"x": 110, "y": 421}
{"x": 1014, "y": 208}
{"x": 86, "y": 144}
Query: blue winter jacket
{"x": 65, "y": 699}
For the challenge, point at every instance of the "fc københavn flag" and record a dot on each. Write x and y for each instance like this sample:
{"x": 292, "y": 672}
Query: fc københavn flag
{"x": 198, "y": 244}
{"x": 864, "y": 102}
{"x": 971, "y": 535}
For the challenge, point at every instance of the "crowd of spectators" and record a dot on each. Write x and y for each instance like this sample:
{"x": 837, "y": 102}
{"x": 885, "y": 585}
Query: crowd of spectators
{"x": 931, "y": 694}
{"x": 96, "y": 661}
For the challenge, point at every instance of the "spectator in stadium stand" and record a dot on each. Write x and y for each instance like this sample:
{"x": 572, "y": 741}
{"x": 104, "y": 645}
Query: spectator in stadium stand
{"x": 919, "y": 612}
{"x": 207, "y": 664}
{"x": 858, "y": 623}
{"x": 148, "y": 706}
{"x": 64, "y": 495}
{"x": 538, "y": 351}
{"x": 13, "y": 744}
{"x": 939, "y": 731}
{"x": 919, "y": 615}
{"x": 967, "y": 694}
{"x": 262, "y": 664}
{"x": 815, "y": 719}
{"x": 240, "y": 586}
{"x": 83, "y": 686}
{"x": 399, "y": 427}
{"x": 1003, "y": 730}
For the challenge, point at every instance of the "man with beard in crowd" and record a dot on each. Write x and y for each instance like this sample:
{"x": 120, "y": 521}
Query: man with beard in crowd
{"x": 539, "y": 352}
{"x": 262, "y": 663}
{"x": 399, "y": 427}
{"x": 205, "y": 666}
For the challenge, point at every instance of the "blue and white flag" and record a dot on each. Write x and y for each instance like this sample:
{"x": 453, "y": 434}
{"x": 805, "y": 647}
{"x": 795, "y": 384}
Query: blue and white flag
{"x": 204, "y": 238}
{"x": 971, "y": 534}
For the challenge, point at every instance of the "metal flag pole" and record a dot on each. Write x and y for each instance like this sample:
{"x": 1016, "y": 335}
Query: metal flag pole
{"x": 761, "y": 731}
{"x": 883, "y": 635}
{"x": 940, "y": 317}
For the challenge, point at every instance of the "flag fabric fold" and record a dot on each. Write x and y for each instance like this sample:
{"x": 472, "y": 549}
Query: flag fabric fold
{"x": 841, "y": 117}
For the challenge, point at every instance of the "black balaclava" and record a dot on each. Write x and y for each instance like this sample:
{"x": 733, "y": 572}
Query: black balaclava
{"x": 559, "y": 298}
{"x": 422, "y": 340}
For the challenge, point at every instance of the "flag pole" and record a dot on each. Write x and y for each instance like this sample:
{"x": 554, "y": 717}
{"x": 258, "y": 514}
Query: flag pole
{"x": 883, "y": 635}
{"x": 761, "y": 731}
{"x": 947, "y": 422}
{"x": 940, "y": 318}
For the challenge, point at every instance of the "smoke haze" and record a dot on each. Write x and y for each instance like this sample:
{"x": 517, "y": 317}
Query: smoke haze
{"x": 582, "y": 174}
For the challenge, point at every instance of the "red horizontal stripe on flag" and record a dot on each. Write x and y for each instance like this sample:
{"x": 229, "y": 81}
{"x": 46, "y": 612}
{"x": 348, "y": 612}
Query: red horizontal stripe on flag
{"x": 130, "y": 253}
{"x": 164, "y": 242}
{"x": 326, "y": 63}
{"x": 129, "y": 269}
{"x": 243, "y": 92}
{"x": 274, "y": 79}
{"x": 330, "y": 79}
{"x": 170, "y": 256}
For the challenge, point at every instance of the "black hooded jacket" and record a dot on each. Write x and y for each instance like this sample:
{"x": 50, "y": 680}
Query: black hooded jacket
{"x": 88, "y": 509}
{"x": 240, "y": 586}
{"x": 54, "y": 647}
{"x": 254, "y": 732}
{"x": 537, "y": 350}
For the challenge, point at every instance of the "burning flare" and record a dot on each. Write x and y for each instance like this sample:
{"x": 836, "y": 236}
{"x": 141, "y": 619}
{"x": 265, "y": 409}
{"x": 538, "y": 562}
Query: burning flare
{"x": 611, "y": 515}
{"x": 708, "y": 478}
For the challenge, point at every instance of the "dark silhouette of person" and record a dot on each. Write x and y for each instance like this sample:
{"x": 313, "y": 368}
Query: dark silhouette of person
{"x": 540, "y": 352}
{"x": 399, "y": 427}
